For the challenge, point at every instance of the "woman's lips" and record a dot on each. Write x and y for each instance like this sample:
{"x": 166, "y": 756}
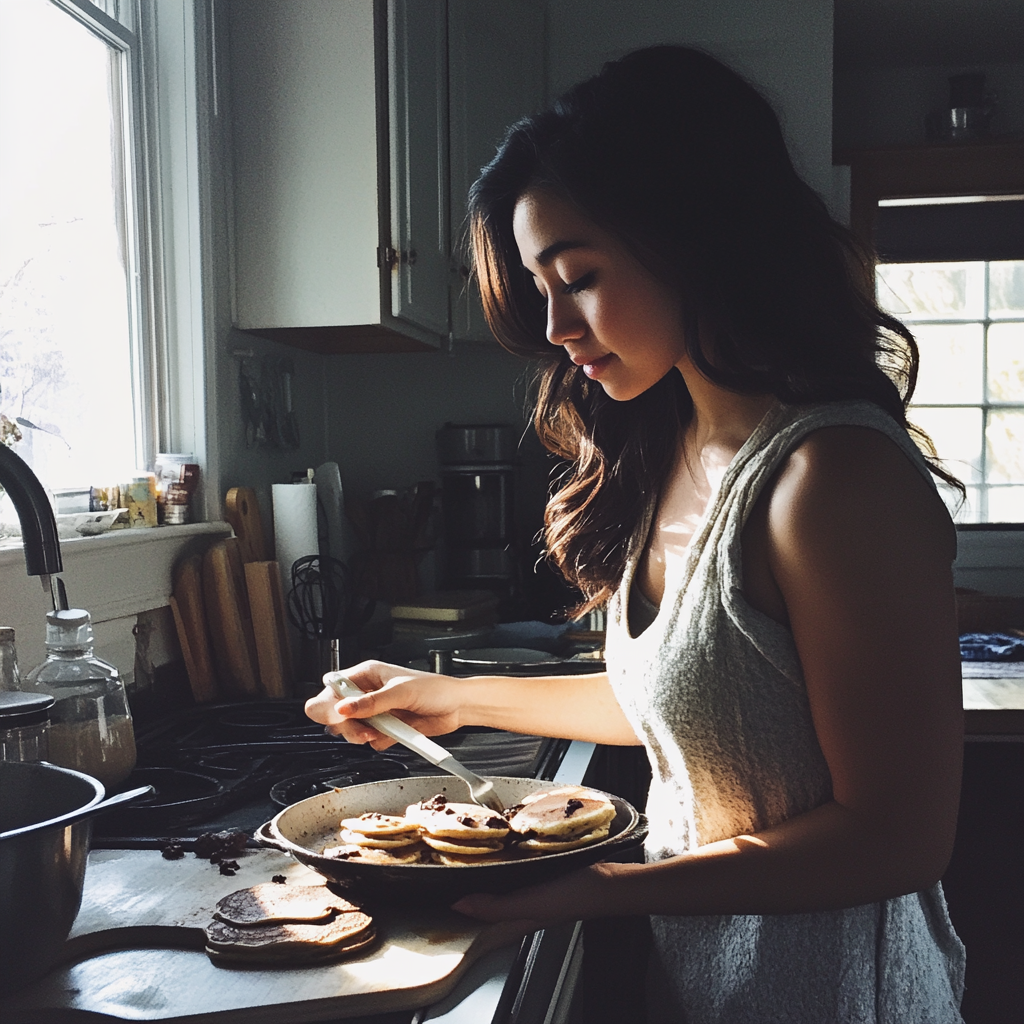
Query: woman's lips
{"x": 595, "y": 367}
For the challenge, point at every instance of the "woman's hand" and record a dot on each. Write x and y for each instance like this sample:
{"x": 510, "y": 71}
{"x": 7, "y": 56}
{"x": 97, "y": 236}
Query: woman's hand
{"x": 429, "y": 703}
{"x": 575, "y": 897}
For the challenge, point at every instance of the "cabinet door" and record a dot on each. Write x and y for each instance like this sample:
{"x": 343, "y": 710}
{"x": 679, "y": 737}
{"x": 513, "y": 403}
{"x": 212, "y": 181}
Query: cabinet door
{"x": 496, "y": 76}
{"x": 418, "y": 114}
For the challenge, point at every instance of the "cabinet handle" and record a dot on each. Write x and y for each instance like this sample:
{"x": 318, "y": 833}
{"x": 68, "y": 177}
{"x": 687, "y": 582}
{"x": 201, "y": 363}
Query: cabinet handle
{"x": 390, "y": 257}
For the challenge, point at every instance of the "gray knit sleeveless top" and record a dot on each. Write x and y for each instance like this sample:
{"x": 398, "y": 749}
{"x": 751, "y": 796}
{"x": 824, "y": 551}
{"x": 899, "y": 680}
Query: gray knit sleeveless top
{"x": 714, "y": 689}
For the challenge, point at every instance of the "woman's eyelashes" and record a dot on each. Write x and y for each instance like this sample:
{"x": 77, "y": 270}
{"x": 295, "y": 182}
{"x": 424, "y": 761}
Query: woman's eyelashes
{"x": 579, "y": 284}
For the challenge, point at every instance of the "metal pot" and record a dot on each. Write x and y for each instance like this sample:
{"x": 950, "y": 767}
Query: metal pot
{"x": 45, "y": 828}
{"x": 304, "y": 829}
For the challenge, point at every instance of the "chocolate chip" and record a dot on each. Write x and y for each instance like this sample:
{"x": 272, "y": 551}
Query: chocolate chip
{"x": 465, "y": 819}
{"x": 280, "y": 879}
{"x": 228, "y": 867}
{"x": 172, "y": 850}
{"x": 572, "y": 806}
{"x": 495, "y": 822}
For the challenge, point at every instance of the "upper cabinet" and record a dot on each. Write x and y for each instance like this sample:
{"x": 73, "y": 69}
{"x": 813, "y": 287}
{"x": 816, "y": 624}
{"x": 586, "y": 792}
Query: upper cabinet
{"x": 358, "y": 127}
{"x": 495, "y": 77}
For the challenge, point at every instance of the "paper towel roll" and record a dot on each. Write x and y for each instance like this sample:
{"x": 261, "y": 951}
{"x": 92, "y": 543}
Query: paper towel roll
{"x": 295, "y": 533}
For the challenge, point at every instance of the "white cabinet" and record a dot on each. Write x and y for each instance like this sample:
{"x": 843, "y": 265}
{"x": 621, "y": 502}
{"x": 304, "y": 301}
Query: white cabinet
{"x": 341, "y": 234}
{"x": 354, "y": 123}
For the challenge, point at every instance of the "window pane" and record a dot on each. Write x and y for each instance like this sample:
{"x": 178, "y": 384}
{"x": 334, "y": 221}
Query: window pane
{"x": 932, "y": 291}
{"x": 1006, "y": 362}
{"x": 966, "y": 511}
{"x": 956, "y": 434}
{"x": 1004, "y": 440}
{"x": 951, "y": 364}
{"x": 66, "y": 360}
{"x": 1006, "y": 505}
{"x": 1006, "y": 288}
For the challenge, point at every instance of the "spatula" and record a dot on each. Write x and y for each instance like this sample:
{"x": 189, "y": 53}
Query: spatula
{"x": 481, "y": 790}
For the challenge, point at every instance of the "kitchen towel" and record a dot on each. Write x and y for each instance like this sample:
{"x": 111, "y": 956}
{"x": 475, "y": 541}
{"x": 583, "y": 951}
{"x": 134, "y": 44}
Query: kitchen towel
{"x": 295, "y": 528}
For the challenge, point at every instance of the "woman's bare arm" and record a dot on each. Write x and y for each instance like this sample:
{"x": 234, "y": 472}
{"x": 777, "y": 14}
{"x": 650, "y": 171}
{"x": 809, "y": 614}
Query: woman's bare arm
{"x": 578, "y": 707}
{"x": 860, "y": 549}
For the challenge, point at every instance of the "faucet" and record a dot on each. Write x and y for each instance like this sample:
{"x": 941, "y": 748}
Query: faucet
{"x": 38, "y": 525}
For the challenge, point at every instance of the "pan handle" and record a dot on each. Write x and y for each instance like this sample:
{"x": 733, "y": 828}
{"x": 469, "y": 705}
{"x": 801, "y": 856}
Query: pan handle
{"x": 265, "y": 837}
{"x": 85, "y": 812}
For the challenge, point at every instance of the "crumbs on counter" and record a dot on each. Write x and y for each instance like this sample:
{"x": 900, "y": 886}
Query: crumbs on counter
{"x": 218, "y": 846}
{"x": 228, "y": 867}
{"x": 172, "y": 850}
{"x": 280, "y": 879}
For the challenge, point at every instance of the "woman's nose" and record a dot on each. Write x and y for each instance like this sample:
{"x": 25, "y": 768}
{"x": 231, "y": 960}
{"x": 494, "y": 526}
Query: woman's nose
{"x": 564, "y": 322}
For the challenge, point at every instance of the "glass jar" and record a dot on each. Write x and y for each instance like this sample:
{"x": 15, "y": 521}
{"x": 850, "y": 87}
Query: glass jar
{"x": 24, "y": 721}
{"x": 90, "y": 724}
{"x": 10, "y": 678}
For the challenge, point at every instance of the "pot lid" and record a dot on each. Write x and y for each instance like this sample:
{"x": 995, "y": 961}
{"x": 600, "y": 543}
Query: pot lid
{"x": 17, "y": 708}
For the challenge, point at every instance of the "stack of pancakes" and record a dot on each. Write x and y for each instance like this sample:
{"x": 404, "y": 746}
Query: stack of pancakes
{"x": 438, "y": 831}
{"x": 555, "y": 820}
{"x": 459, "y": 833}
{"x": 280, "y": 925}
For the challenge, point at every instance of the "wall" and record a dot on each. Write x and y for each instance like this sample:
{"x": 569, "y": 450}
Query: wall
{"x": 783, "y": 47}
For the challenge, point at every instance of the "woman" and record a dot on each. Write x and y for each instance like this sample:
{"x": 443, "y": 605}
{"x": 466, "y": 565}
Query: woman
{"x": 744, "y": 494}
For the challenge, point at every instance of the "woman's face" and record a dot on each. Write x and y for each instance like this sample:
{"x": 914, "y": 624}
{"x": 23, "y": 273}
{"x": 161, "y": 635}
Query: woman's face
{"x": 612, "y": 316}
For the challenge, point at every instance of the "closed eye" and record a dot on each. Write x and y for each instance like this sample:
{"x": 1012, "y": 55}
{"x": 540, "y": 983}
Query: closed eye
{"x": 579, "y": 284}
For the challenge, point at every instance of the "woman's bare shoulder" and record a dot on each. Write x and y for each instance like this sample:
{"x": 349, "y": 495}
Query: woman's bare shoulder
{"x": 852, "y": 483}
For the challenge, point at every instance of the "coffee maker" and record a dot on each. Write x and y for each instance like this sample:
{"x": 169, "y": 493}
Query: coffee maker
{"x": 478, "y": 506}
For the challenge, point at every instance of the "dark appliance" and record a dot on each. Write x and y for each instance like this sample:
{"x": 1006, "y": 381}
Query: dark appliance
{"x": 478, "y": 506}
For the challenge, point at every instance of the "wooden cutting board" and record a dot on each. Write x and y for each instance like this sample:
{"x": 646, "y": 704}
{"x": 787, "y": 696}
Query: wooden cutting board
{"x": 242, "y": 511}
{"x": 229, "y": 619}
{"x": 189, "y": 612}
{"x": 135, "y": 953}
{"x": 266, "y": 604}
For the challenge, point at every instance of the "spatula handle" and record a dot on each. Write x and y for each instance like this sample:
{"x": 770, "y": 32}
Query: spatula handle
{"x": 392, "y": 727}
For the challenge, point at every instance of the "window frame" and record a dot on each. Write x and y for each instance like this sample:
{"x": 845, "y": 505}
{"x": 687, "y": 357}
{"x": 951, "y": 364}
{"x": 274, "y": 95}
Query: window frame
{"x": 142, "y": 265}
{"x": 919, "y": 172}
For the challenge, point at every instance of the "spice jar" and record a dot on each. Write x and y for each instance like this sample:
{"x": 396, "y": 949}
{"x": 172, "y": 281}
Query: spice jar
{"x": 90, "y": 724}
{"x": 24, "y": 719}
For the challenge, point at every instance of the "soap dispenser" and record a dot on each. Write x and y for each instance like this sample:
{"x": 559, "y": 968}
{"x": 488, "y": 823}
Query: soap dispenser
{"x": 90, "y": 723}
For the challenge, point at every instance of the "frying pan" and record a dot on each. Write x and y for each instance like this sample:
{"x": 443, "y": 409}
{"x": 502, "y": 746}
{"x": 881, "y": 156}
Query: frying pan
{"x": 305, "y": 828}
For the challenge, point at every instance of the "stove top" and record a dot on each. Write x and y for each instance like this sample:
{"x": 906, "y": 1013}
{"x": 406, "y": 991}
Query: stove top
{"x": 234, "y": 766}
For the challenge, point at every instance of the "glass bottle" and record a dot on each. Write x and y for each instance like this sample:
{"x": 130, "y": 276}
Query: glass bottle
{"x": 90, "y": 724}
{"x": 10, "y": 678}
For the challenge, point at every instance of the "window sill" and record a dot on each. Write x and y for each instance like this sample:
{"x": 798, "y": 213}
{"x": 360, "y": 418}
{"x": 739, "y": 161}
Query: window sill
{"x": 115, "y": 574}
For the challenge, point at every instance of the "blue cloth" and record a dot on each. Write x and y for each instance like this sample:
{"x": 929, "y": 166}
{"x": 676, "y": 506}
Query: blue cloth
{"x": 991, "y": 647}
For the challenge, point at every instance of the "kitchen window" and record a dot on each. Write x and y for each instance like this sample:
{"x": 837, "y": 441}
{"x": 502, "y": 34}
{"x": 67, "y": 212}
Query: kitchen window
{"x": 78, "y": 364}
{"x": 967, "y": 314}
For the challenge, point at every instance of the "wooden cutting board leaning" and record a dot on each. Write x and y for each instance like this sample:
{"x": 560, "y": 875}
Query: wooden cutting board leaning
{"x": 229, "y": 612}
{"x": 136, "y": 953}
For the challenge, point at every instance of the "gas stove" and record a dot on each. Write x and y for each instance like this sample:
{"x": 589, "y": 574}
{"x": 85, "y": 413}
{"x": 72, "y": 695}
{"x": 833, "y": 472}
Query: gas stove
{"x": 234, "y": 766}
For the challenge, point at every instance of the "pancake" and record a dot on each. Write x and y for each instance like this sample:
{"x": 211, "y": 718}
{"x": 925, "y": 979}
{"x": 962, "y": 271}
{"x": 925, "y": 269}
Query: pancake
{"x": 566, "y": 812}
{"x": 417, "y": 853}
{"x": 442, "y": 819}
{"x": 270, "y": 902}
{"x": 391, "y": 842}
{"x": 466, "y": 847}
{"x": 559, "y": 844}
{"x": 297, "y": 945}
{"x": 373, "y": 824}
{"x": 294, "y": 943}
{"x": 460, "y": 860}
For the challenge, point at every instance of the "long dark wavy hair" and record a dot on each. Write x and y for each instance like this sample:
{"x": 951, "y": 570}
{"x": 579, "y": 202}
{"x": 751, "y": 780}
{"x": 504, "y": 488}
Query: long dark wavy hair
{"x": 683, "y": 161}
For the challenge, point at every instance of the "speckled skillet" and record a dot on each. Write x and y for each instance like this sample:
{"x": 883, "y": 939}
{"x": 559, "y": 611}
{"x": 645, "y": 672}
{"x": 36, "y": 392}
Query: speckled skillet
{"x": 305, "y": 828}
